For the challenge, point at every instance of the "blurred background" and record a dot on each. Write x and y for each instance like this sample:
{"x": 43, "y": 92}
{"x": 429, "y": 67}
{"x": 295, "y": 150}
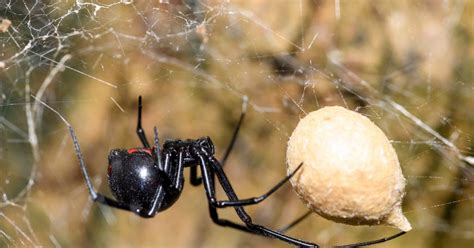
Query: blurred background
{"x": 407, "y": 65}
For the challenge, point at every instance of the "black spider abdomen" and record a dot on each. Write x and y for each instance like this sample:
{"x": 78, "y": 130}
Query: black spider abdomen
{"x": 133, "y": 177}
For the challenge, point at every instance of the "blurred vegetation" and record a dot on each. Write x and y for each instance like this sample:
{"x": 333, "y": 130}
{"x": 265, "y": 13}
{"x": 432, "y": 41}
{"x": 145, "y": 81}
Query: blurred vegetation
{"x": 193, "y": 61}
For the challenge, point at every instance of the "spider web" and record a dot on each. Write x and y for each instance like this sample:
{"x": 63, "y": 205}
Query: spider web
{"x": 407, "y": 66}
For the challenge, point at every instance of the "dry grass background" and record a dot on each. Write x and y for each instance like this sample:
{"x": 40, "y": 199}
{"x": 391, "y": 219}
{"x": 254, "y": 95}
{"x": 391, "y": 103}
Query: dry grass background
{"x": 420, "y": 54}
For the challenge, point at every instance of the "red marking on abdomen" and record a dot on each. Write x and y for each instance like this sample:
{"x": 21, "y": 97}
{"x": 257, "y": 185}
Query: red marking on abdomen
{"x": 135, "y": 150}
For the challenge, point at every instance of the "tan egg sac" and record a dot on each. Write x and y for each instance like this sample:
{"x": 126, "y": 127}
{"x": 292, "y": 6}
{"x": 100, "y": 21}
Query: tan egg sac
{"x": 351, "y": 172}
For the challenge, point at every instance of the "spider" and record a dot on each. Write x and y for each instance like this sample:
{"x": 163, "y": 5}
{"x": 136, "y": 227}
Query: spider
{"x": 148, "y": 180}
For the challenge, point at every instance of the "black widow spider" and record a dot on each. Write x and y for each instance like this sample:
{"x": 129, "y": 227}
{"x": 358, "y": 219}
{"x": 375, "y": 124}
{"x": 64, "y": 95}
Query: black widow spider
{"x": 148, "y": 180}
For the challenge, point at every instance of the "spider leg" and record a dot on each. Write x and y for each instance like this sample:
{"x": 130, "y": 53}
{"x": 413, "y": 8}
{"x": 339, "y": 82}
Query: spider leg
{"x": 158, "y": 152}
{"x": 254, "y": 200}
{"x": 236, "y": 130}
{"x": 178, "y": 182}
{"x": 373, "y": 242}
{"x": 140, "y": 132}
{"x": 214, "y": 167}
{"x": 113, "y": 203}
{"x": 215, "y": 216}
{"x": 176, "y": 175}
{"x": 295, "y": 222}
{"x": 226, "y": 223}
{"x": 156, "y": 204}
{"x": 195, "y": 180}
